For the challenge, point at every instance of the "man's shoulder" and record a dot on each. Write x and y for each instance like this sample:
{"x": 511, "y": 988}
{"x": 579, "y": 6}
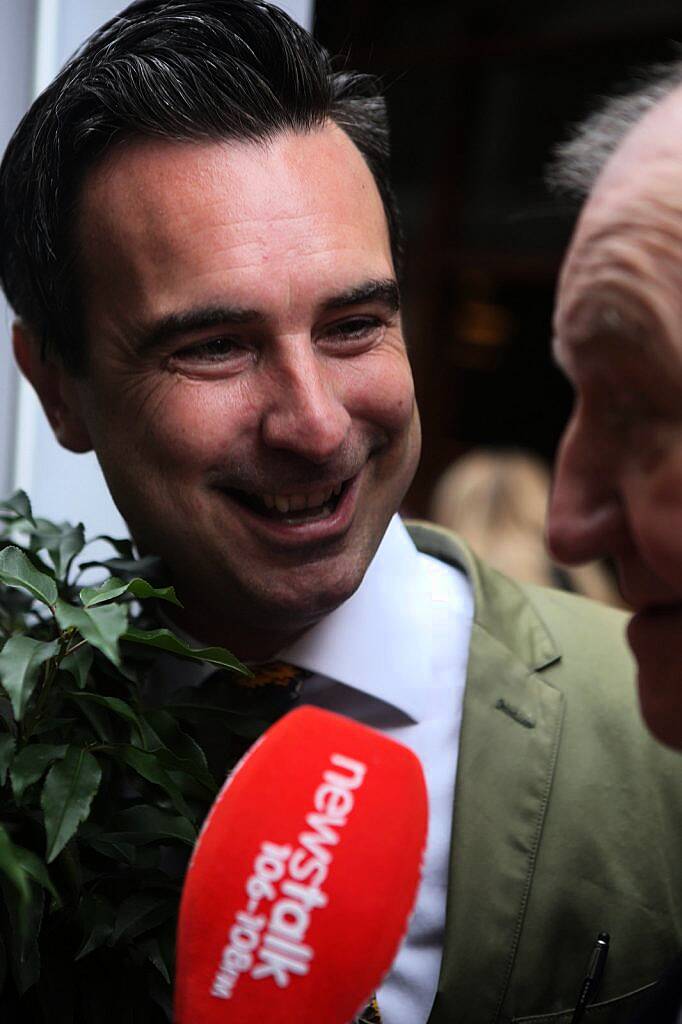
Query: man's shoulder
{"x": 558, "y": 624}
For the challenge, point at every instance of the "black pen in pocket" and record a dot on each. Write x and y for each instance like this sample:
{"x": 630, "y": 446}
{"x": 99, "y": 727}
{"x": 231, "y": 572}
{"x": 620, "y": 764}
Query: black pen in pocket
{"x": 595, "y": 969}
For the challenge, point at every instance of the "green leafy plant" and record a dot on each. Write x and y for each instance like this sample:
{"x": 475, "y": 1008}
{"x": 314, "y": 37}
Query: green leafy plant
{"x": 101, "y": 791}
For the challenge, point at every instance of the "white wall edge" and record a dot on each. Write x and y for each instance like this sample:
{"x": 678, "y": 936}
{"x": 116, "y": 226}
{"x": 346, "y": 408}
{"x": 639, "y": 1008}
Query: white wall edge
{"x": 45, "y": 59}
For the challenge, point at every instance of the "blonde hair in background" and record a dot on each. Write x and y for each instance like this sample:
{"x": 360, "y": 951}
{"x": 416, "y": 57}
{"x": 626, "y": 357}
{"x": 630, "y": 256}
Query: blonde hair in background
{"x": 497, "y": 501}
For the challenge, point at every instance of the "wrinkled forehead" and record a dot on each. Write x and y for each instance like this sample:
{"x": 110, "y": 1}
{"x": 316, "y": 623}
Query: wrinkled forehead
{"x": 623, "y": 269}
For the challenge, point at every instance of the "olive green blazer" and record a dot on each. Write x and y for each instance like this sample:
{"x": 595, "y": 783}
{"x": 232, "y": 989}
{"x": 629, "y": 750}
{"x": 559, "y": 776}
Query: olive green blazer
{"x": 567, "y": 815}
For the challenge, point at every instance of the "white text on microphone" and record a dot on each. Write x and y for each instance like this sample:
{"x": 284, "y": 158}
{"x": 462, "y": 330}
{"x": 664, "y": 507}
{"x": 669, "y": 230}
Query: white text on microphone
{"x": 267, "y": 937}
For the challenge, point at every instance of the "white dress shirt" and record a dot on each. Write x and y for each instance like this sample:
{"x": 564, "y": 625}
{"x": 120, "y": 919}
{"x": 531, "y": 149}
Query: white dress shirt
{"x": 394, "y": 657}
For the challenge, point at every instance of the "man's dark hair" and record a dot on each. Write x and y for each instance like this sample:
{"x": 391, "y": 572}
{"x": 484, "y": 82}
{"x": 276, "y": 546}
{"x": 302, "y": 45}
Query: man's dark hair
{"x": 578, "y": 162}
{"x": 176, "y": 69}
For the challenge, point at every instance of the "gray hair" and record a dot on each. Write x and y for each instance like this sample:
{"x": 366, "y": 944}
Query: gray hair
{"x": 577, "y": 162}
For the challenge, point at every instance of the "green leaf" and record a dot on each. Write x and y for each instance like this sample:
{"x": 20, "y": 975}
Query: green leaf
{"x": 177, "y": 751}
{"x": 101, "y": 627}
{"x": 7, "y": 747}
{"x": 164, "y": 640}
{"x": 20, "y": 662}
{"x": 151, "y": 949}
{"x": 114, "y": 704}
{"x": 99, "y": 721}
{"x": 78, "y": 665}
{"x": 17, "y": 571}
{"x": 115, "y": 587}
{"x": 3, "y": 963}
{"x": 184, "y": 769}
{"x": 122, "y": 545}
{"x": 118, "y": 851}
{"x": 62, "y": 541}
{"x": 147, "y": 567}
{"x": 97, "y": 919}
{"x": 149, "y": 767}
{"x": 241, "y": 723}
{"x": 19, "y": 504}
{"x": 12, "y": 868}
{"x": 67, "y": 795}
{"x": 30, "y": 764}
{"x": 25, "y": 918}
{"x": 144, "y": 824}
{"x": 6, "y": 714}
{"x": 142, "y": 912}
{"x": 161, "y": 994}
{"x": 37, "y": 871}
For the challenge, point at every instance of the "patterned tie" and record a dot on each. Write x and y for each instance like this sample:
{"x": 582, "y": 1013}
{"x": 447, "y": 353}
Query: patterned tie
{"x": 276, "y": 673}
{"x": 371, "y": 1015}
{"x": 239, "y": 709}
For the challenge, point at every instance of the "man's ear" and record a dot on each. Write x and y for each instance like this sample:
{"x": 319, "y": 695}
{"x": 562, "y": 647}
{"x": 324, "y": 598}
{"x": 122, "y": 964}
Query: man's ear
{"x": 56, "y": 388}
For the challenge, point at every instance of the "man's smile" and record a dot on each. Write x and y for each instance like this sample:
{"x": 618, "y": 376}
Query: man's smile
{"x": 317, "y": 502}
{"x": 272, "y": 518}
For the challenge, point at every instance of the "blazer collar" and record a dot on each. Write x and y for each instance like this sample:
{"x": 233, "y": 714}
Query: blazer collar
{"x": 501, "y": 608}
{"x": 511, "y": 729}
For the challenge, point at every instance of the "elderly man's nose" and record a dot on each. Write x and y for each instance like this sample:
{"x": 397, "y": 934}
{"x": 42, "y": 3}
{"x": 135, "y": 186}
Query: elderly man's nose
{"x": 306, "y": 416}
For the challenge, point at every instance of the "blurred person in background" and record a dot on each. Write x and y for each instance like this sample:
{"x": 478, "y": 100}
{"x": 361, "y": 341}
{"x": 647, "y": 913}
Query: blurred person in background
{"x": 497, "y": 501}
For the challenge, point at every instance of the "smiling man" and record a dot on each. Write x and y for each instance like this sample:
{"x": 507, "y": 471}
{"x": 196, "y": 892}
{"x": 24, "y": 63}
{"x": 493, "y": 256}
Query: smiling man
{"x": 618, "y": 336}
{"x": 251, "y": 402}
{"x": 199, "y": 240}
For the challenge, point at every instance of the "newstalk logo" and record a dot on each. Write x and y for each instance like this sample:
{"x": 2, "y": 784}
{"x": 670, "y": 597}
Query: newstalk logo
{"x": 267, "y": 937}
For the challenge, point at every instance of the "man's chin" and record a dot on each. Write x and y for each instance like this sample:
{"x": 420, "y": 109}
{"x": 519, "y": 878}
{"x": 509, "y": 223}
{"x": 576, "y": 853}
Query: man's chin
{"x": 655, "y": 637}
{"x": 660, "y": 699}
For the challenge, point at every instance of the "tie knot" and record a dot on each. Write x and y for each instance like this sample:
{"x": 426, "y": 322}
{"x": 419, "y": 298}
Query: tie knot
{"x": 371, "y": 1015}
{"x": 275, "y": 673}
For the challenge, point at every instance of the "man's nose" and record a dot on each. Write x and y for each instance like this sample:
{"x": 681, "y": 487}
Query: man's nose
{"x": 585, "y": 518}
{"x": 305, "y": 412}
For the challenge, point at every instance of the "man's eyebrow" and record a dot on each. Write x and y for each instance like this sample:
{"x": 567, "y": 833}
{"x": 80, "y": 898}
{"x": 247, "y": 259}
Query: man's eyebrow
{"x": 175, "y": 325}
{"x": 181, "y": 323}
{"x": 385, "y": 291}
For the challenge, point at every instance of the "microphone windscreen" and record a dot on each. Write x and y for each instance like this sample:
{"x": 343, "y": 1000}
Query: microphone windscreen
{"x": 300, "y": 887}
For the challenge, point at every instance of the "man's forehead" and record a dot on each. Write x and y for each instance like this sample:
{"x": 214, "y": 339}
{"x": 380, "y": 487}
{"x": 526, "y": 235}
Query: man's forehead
{"x": 624, "y": 264}
{"x": 159, "y": 191}
{"x": 131, "y": 167}
{"x": 208, "y": 222}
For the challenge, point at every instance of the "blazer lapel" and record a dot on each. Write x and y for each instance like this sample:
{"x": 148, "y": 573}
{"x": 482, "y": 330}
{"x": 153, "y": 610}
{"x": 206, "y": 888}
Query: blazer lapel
{"x": 509, "y": 740}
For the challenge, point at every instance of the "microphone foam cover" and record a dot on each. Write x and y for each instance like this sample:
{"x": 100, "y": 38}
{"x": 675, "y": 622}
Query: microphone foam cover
{"x": 303, "y": 878}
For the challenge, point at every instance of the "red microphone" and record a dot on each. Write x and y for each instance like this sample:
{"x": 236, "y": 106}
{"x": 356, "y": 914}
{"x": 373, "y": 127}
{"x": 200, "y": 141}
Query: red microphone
{"x": 303, "y": 878}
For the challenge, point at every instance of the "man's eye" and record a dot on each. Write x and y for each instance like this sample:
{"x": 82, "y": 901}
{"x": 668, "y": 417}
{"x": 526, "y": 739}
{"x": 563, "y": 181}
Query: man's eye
{"x": 356, "y": 328}
{"x": 211, "y": 351}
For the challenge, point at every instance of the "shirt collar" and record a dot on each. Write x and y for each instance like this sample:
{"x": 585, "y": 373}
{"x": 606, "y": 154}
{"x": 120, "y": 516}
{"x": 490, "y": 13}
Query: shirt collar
{"x": 377, "y": 641}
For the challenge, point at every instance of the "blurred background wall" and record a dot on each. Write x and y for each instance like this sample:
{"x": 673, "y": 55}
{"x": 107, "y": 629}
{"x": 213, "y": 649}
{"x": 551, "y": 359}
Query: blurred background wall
{"x": 478, "y": 91}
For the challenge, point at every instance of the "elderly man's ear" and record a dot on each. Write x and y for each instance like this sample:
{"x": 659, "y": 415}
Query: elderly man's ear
{"x": 56, "y": 388}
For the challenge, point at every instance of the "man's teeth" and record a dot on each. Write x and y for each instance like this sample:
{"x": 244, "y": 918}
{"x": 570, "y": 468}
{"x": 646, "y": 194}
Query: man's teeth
{"x": 298, "y": 502}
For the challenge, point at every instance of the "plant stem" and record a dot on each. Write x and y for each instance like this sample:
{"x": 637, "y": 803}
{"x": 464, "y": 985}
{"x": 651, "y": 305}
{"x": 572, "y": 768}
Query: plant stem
{"x": 71, "y": 650}
{"x": 50, "y": 671}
